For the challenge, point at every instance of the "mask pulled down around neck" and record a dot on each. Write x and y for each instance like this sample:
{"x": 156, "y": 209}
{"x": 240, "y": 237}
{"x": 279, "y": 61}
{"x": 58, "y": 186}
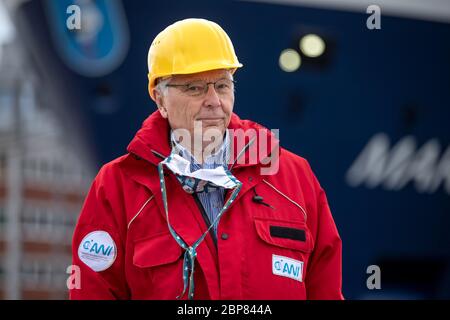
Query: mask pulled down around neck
{"x": 202, "y": 180}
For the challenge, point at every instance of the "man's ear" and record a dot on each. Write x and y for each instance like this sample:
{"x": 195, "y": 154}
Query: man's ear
{"x": 159, "y": 99}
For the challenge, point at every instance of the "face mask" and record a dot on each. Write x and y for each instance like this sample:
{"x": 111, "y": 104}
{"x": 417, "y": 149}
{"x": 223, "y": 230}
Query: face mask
{"x": 202, "y": 180}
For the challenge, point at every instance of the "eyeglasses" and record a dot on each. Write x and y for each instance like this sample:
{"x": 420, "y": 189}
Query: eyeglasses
{"x": 200, "y": 87}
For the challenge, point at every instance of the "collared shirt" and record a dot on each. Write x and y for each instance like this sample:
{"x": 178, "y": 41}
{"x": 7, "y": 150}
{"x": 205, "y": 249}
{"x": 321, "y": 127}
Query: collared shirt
{"x": 213, "y": 201}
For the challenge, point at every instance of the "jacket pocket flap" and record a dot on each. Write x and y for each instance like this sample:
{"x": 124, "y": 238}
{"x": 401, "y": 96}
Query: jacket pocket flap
{"x": 156, "y": 250}
{"x": 286, "y": 234}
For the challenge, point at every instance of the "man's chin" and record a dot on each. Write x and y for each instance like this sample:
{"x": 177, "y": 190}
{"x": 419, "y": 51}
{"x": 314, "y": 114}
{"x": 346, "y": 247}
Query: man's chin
{"x": 211, "y": 122}
{"x": 213, "y": 126}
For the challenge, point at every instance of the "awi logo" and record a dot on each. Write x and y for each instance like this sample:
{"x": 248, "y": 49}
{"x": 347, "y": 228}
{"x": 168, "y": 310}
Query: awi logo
{"x": 287, "y": 267}
{"x": 97, "y": 250}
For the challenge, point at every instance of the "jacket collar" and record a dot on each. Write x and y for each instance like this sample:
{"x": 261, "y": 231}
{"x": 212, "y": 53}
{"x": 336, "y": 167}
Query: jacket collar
{"x": 152, "y": 141}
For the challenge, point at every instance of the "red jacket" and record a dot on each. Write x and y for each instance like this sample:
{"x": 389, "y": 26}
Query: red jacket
{"x": 287, "y": 247}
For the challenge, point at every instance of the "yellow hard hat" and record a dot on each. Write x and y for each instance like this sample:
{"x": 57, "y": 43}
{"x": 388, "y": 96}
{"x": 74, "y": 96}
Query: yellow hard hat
{"x": 190, "y": 46}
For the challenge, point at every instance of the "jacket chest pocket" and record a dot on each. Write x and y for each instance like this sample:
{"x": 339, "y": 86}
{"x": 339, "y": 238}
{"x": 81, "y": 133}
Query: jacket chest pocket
{"x": 277, "y": 259}
{"x": 159, "y": 257}
{"x": 292, "y": 235}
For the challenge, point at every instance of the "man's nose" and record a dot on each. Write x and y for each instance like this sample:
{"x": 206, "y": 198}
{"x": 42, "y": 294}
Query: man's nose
{"x": 211, "y": 97}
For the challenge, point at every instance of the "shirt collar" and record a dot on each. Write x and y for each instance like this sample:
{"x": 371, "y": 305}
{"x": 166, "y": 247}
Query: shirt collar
{"x": 212, "y": 161}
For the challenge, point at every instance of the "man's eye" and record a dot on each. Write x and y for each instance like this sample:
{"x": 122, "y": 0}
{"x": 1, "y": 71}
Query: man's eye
{"x": 222, "y": 86}
{"x": 195, "y": 88}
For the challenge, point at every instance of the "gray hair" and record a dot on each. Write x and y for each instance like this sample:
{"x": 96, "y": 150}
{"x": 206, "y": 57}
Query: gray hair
{"x": 162, "y": 85}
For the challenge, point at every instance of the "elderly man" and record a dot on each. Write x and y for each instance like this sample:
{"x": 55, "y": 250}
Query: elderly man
{"x": 204, "y": 205}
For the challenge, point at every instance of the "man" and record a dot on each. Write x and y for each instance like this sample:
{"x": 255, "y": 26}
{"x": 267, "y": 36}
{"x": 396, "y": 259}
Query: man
{"x": 204, "y": 205}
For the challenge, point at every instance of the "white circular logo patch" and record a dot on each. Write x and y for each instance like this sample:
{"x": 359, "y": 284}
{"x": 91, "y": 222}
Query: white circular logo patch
{"x": 97, "y": 250}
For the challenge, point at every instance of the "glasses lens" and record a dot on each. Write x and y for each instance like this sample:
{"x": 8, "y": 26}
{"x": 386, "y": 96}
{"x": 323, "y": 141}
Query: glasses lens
{"x": 195, "y": 88}
{"x": 224, "y": 86}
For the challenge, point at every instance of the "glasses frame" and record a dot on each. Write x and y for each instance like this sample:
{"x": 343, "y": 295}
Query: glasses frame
{"x": 186, "y": 86}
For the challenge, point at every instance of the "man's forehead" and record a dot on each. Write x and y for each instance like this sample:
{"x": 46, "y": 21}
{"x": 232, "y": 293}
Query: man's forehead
{"x": 206, "y": 75}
